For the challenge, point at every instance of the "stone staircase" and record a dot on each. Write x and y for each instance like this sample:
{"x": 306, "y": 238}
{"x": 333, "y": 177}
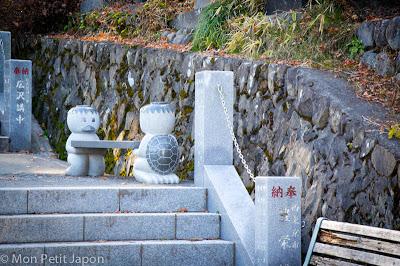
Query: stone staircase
{"x": 116, "y": 224}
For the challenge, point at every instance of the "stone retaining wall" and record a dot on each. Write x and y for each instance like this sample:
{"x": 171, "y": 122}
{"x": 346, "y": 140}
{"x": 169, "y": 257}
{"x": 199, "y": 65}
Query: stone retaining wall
{"x": 380, "y": 33}
{"x": 289, "y": 121}
{"x": 381, "y": 39}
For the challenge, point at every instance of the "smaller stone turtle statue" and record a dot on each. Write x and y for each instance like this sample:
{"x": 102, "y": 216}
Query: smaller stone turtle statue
{"x": 158, "y": 153}
{"x": 83, "y": 122}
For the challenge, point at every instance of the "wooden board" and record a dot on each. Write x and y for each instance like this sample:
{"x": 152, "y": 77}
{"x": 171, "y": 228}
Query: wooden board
{"x": 319, "y": 260}
{"x": 363, "y": 230}
{"x": 330, "y": 237}
{"x": 354, "y": 255}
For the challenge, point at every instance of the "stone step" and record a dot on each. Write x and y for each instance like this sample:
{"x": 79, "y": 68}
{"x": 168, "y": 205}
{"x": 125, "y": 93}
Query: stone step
{"x": 154, "y": 253}
{"x": 109, "y": 226}
{"x": 85, "y": 199}
{"x": 4, "y": 144}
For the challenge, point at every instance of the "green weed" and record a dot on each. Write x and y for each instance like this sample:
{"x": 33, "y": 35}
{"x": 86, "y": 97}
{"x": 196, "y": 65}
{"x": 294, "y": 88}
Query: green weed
{"x": 394, "y": 131}
{"x": 355, "y": 48}
{"x": 318, "y": 35}
{"x": 212, "y": 31}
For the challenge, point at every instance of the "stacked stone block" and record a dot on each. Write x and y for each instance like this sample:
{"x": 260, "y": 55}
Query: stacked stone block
{"x": 381, "y": 39}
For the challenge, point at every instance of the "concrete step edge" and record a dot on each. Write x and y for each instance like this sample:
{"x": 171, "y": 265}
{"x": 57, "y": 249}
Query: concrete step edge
{"x": 155, "y": 253}
{"x": 101, "y": 199}
{"x": 106, "y": 187}
{"x": 110, "y": 226}
{"x": 124, "y": 242}
{"x": 139, "y": 214}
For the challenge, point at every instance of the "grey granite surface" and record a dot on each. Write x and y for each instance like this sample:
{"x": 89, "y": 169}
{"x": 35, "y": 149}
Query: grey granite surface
{"x": 121, "y": 253}
{"x": 16, "y": 122}
{"x": 5, "y": 37}
{"x": 278, "y": 221}
{"x": 40, "y": 228}
{"x": 213, "y": 143}
{"x": 163, "y": 199}
{"x": 197, "y": 226}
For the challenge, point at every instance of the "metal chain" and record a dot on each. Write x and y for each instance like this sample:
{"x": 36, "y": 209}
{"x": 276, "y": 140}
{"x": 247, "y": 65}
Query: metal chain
{"x": 230, "y": 127}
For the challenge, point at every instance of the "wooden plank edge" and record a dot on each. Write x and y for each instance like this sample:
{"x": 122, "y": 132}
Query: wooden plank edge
{"x": 320, "y": 260}
{"x": 360, "y": 243}
{"x": 354, "y": 255}
{"x": 363, "y": 230}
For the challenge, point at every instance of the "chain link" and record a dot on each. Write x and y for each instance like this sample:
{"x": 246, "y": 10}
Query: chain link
{"x": 230, "y": 127}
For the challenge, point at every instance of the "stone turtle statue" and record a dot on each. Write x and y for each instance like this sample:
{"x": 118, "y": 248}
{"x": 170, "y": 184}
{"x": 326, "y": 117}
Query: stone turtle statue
{"x": 83, "y": 122}
{"x": 157, "y": 155}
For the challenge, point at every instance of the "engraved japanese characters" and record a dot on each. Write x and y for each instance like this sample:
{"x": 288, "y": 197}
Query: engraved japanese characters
{"x": 278, "y": 221}
{"x": 16, "y": 111}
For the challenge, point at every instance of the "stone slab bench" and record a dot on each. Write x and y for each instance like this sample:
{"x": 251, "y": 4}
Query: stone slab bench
{"x": 338, "y": 243}
{"x": 104, "y": 144}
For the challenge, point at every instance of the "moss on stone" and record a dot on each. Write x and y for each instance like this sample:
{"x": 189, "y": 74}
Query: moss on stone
{"x": 185, "y": 170}
{"x": 119, "y": 88}
{"x": 123, "y": 172}
{"x": 59, "y": 143}
{"x": 109, "y": 161}
{"x": 187, "y": 110}
{"x": 183, "y": 95}
{"x": 100, "y": 132}
{"x": 286, "y": 107}
{"x": 123, "y": 68}
{"x": 250, "y": 187}
{"x": 177, "y": 76}
{"x": 140, "y": 95}
{"x": 269, "y": 156}
{"x": 129, "y": 91}
{"x": 112, "y": 125}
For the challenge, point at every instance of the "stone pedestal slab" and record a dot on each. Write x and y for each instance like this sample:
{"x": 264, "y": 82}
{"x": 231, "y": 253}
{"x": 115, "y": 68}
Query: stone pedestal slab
{"x": 278, "y": 221}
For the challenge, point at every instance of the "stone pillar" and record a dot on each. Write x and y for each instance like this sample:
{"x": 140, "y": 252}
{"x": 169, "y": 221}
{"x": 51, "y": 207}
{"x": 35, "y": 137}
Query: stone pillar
{"x": 212, "y": 141}
{"x": 2, "y": 59}
{"x": 278, "y": 221}
{"x": 17, "y": 116}
{"x": 273, "y": 6}
{"x": 5, "y": 54}
{"x": 5, "y": 37}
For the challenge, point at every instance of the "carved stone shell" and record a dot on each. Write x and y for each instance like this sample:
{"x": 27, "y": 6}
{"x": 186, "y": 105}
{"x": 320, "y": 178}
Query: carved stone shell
{"x": 162, "y": 154}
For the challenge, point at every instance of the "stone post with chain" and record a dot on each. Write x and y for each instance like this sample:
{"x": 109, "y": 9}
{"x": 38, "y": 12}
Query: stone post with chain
{"x": 213, "y": 142}
{"x": 214, "y": 170}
